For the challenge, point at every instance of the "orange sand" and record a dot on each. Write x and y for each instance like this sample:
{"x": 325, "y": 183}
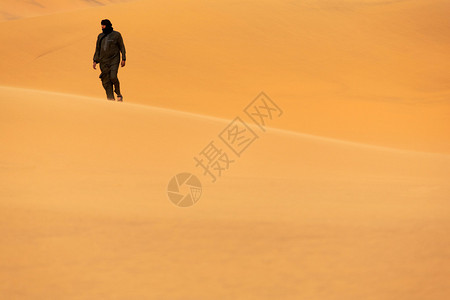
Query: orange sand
{"x": 345, "y": 196}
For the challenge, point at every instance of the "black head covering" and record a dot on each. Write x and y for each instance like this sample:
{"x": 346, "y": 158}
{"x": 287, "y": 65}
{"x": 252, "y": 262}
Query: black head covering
{"x": 108, "y": 29}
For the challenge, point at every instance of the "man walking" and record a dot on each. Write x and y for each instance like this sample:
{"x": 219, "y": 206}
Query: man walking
{"x": 107, "y": 53}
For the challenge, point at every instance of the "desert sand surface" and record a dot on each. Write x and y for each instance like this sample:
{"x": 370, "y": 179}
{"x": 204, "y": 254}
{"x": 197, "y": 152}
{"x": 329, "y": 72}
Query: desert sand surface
{"x": 345, "y": 195}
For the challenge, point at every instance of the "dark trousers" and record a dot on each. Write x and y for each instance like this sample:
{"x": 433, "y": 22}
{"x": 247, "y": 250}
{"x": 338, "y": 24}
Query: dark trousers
{"x": 109, "y": 79}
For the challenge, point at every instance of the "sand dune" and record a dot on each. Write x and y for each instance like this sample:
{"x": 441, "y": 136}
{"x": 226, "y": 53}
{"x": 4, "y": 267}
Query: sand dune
{"x": 345, "y": 196}
{"x": 385, "y": 62}
{"x": 85, "y": 212}
{"x": 13, "y": 9}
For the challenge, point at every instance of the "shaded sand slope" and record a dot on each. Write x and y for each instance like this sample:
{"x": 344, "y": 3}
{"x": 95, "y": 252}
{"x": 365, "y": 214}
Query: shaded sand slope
{"x": 84, "y": 212}
{"x": 18, "y": 9}
{"x": 368, "y": 71}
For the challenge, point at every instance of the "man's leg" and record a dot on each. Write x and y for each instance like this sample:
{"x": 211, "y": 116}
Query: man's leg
{"x": 106, "y": 81}
{"x": 114, "y": 79}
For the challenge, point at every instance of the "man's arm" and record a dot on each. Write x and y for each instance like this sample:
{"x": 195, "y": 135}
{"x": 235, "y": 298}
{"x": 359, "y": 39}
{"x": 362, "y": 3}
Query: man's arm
{"x": 122, "y": 47}
{"x": 97, "y": 51}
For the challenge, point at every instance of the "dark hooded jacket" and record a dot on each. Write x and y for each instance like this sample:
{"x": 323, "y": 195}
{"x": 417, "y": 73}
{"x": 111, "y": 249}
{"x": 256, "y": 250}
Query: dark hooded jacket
{"x": 108, "y": 48}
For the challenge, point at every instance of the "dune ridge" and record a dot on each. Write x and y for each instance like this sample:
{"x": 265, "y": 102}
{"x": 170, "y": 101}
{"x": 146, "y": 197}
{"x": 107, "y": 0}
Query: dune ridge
{"x": 224, "y": 120}
{"x": 81, "y": 177}
{"x": 373, "y": 74}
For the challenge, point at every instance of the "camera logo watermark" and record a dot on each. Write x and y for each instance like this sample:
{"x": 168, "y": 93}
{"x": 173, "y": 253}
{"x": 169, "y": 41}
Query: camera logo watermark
{"x": 214, "y": 159}
{"x": 184, "y": 189}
